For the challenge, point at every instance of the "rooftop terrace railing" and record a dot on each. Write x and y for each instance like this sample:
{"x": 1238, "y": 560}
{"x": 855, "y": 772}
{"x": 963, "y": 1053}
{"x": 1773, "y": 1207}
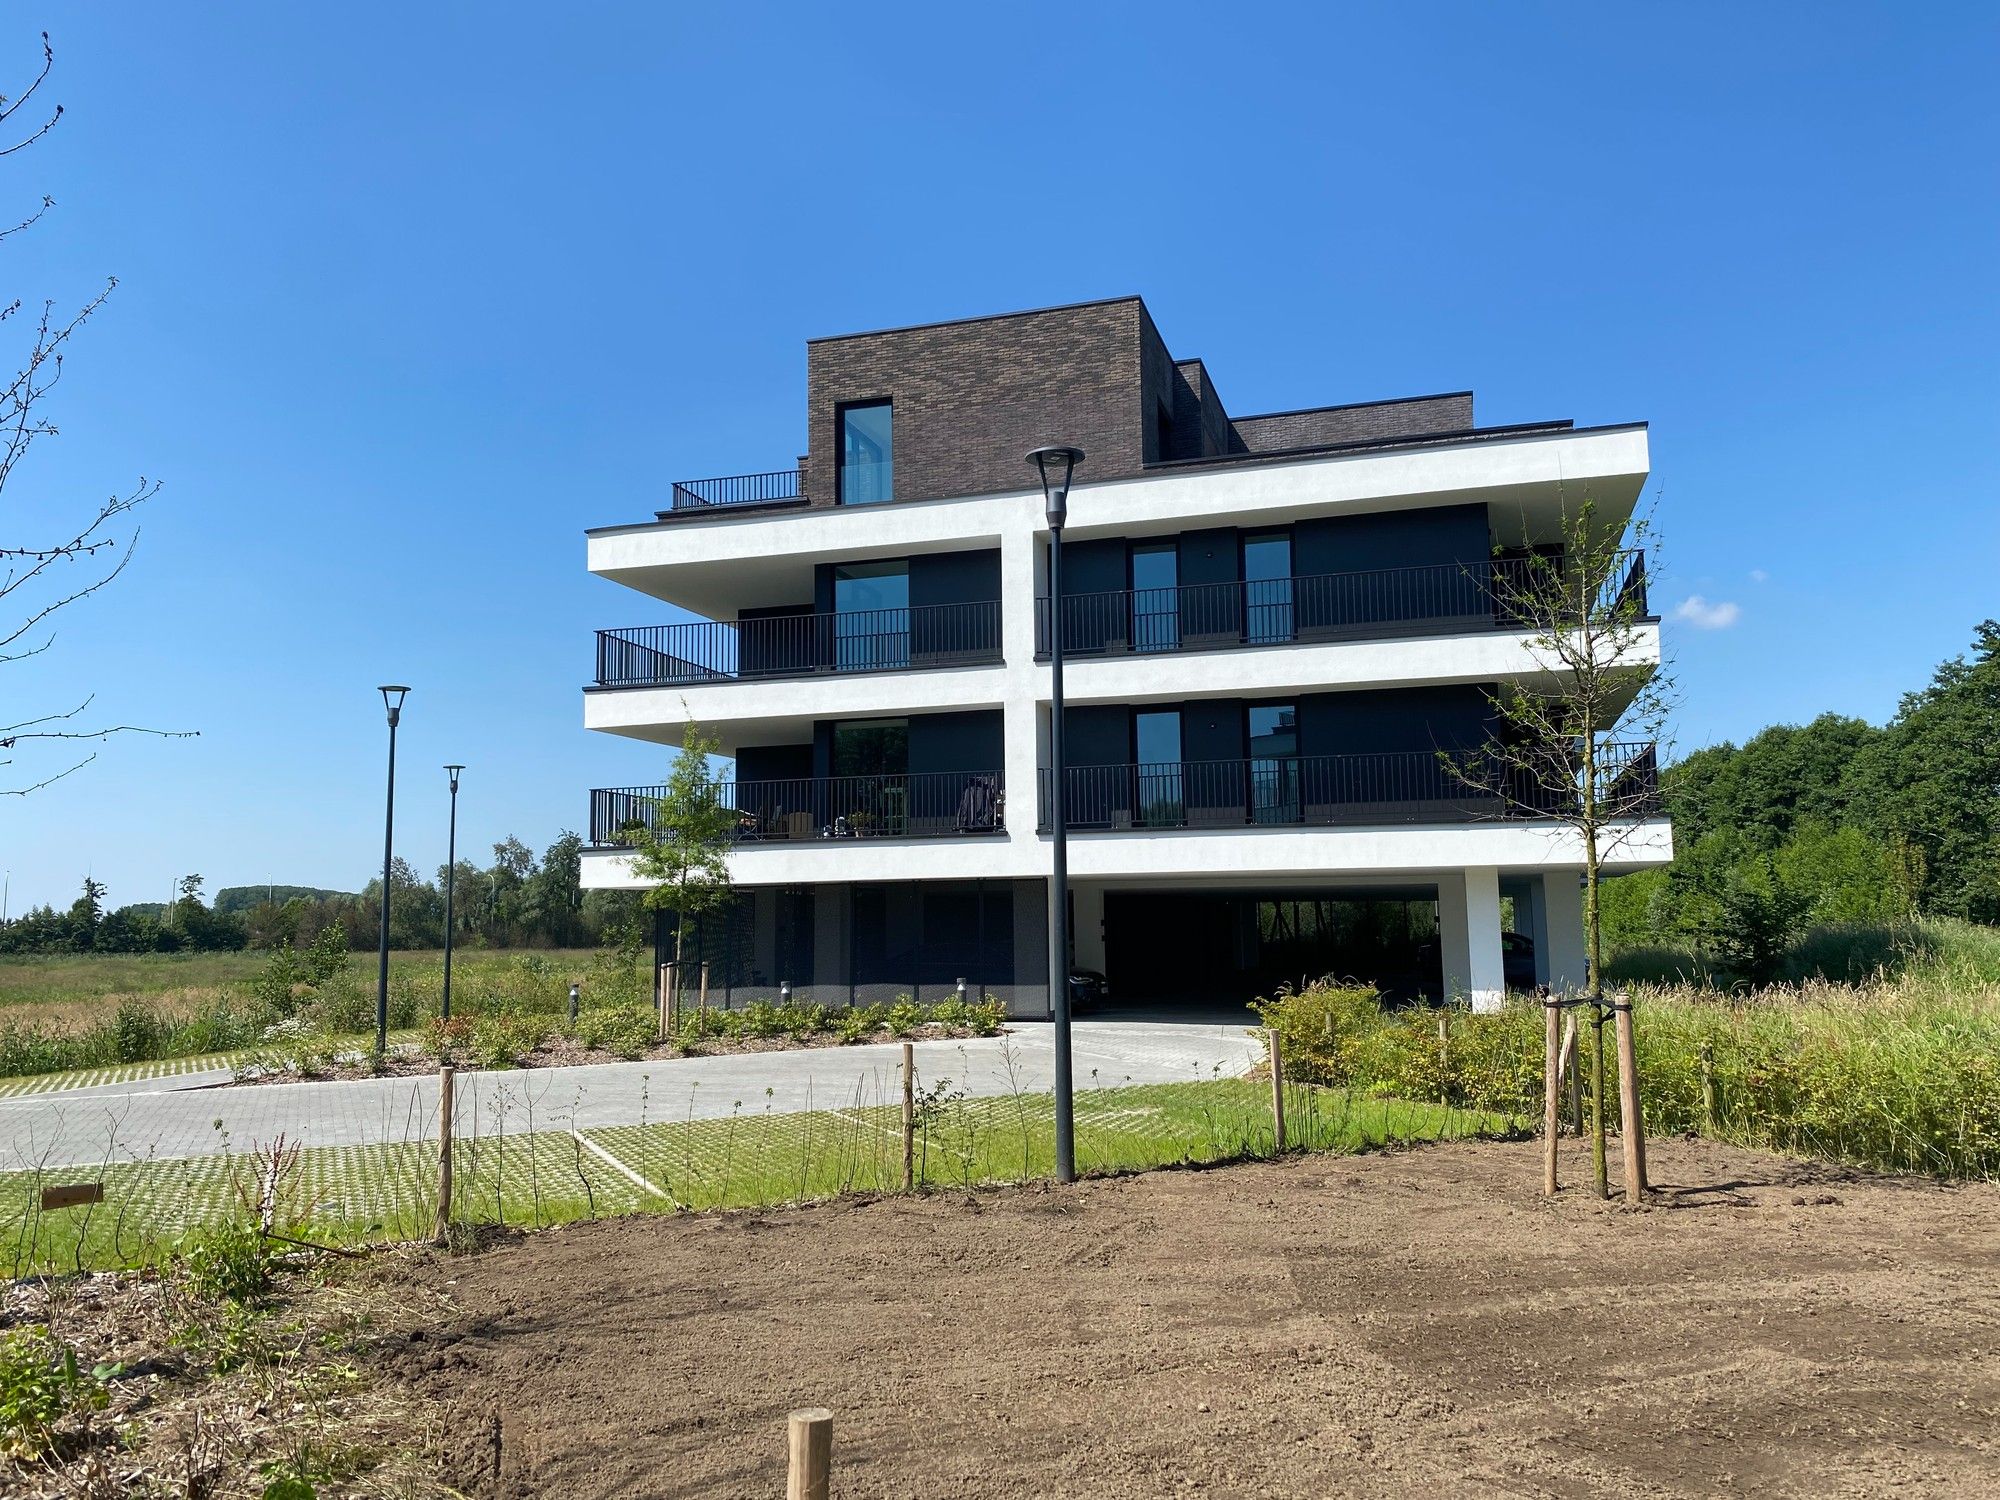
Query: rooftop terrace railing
{"x": 801, "y": 645}
{"x": 1413, "y": 786}
{"x": 1431, "y": 598}
{"x": 737, "y": 489}
{"x": 907, "y": 805}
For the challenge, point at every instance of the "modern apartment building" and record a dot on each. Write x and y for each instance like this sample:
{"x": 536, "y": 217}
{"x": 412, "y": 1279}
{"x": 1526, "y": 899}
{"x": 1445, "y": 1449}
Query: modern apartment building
{"x": 1271, "y": 624}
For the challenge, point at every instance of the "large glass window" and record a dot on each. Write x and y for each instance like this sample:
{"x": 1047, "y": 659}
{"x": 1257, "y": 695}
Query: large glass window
{"x": 867, "y": 454}
{"x": 1267, "y": 587}
{"x": 1274, "y": 762}
{"x": 871, "y": 763}
{"x": 871, "y": 747}
{"x": 1156, "y": 746}
{"x": 871, "y": 616}
{"x": 1156, "y": 602}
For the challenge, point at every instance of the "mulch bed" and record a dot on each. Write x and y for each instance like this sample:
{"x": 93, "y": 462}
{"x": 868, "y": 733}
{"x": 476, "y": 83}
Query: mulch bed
{"x": 566, "y": 1052}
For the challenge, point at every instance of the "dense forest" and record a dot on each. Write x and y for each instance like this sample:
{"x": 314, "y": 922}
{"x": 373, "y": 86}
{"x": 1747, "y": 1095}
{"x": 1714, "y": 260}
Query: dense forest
{"x": 1836, "y": 821}
{"x": 518, "y": 901}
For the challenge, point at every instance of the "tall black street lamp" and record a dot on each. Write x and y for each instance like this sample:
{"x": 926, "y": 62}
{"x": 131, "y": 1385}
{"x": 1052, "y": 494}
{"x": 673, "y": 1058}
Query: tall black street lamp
{"x": 392, "y": 699}
{"x": 1055, "y": 466}
{"x": 450, "y": 882}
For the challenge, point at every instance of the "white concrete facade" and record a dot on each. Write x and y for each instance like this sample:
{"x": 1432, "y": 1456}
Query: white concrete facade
{"x": 721, "y": 564}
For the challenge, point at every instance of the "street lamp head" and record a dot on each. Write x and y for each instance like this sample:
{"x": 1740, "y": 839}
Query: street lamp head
{"x": 452, "y": 772}
{"x": 1055, "y": 465}
{"x": 392, "y": 699}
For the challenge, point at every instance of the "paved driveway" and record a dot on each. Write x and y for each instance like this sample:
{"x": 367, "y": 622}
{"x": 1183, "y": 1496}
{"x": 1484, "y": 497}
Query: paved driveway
{"x": 166, "y": 1119}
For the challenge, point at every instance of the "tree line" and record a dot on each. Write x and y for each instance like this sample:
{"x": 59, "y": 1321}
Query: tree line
{"x": 518, "y": 901}
{"x": 1836, "y": 821}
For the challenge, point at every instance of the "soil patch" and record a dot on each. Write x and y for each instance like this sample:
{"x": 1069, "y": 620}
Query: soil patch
{"x": 1395, "y": 1324}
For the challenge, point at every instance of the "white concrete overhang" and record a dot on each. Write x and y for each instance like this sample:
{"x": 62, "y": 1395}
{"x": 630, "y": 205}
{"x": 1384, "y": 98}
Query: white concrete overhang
{"x": 716, "y": 565}
{"x": 1294, "y": 855}
{"x": 1483, "y": 656}
{"x": 781, "y": 711}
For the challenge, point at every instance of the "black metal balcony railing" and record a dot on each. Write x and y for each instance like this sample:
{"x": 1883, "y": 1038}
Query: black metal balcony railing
{"x": 1314, "y": 607}
{"x": 804, "y": 645}
{"x": 910, "y": 805}
{"x": 738, "y": 489}
{"x": 1387, "y": 787}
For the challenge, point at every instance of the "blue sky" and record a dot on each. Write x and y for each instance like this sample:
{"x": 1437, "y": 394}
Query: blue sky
{"x": 412, "y": 295}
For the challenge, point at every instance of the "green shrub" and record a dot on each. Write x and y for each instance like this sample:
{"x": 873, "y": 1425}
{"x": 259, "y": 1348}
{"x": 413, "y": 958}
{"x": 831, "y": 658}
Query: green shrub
{"x": 40, "y": 1384}
{"x": 626, "y": 1030}
{"x": 501, "y": 1041}
{"x": 231, "y": 1263}
{"x": 760, "y": 1018}
{"x": 1319, "y": 1028}
{"x": 904, "y": 1017}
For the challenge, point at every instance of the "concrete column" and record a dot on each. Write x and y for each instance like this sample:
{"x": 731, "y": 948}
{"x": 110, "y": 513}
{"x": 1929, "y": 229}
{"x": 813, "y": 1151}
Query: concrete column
{"x": 1021, "y": 723}
{"x": 1469, "y": 936}
{"x": 1562, "y": 907}
{"x": 1087, "y": 932}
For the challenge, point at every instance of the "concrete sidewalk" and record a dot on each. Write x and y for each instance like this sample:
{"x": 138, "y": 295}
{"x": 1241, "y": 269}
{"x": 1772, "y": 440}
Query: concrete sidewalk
{"x": 163, "y": 1119}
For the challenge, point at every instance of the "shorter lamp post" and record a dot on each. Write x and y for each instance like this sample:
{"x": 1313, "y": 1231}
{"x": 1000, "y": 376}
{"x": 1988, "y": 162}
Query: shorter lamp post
{"x": 450, "y": 882}
{"x": 392, "y": 699}
{"x": 1055, "y": 465}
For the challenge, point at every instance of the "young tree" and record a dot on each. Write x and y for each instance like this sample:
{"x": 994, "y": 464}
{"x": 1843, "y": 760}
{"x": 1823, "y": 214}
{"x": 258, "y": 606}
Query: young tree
{"x": 682, "y": 850}
{"x": 30, "y": 593}
{"x": 1575, "y": 745}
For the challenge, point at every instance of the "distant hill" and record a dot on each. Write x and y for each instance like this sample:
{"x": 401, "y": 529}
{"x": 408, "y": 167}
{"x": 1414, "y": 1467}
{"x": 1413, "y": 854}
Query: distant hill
{"x": 234, "y": 898}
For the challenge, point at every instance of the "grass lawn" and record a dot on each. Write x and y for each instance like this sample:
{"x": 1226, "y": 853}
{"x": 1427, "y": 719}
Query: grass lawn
{"x": 349, "y": 1195}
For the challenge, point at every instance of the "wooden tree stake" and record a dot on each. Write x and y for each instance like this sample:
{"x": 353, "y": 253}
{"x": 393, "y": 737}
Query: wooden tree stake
{"x": 1572, "y": 1078}
{"x": 1277, "y": 1091}
{"x": 909, "y": 1117}
{"x": 1711, "y": 1111}
{"x": 1631, "y": 1118}
{"x": 445, "y": 1077}
{"x": 811, "y": 1441}
{"x": 1552, "y": 1061}
{"x": 701, "y": 1012}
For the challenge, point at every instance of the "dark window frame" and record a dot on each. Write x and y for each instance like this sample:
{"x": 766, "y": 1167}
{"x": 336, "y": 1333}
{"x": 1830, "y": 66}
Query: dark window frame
{"x": 840, "y": 411}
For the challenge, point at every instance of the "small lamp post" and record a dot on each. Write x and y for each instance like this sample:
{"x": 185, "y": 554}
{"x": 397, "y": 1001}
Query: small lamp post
{"x": 392, "y": 699}
{"x": 1056, "y": 465}
{"x": 450, "y": 882}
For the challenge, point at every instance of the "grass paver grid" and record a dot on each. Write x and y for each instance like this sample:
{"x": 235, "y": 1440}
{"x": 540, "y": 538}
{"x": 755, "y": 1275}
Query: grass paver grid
{"x": 348, "y": 1195}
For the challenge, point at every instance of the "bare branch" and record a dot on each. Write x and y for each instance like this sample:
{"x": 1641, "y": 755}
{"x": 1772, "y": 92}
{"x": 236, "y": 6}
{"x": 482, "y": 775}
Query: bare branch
{"x": 22, "y": 791}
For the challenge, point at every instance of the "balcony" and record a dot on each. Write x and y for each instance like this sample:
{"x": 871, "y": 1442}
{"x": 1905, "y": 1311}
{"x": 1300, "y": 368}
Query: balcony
{"x": 803, "y": 645}
{"x": 1411, "y": 786}
{"x": 778, "y": 487}
{"x": 1439, "y": 598}
{"x": 912, "y": 805}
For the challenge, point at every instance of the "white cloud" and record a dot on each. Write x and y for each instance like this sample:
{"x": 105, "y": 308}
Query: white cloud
{"x": 1698, "y": 612}
{"x": 1758, "y": 575}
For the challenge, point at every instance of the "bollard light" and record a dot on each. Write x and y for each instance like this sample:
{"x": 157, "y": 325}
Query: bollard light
{"x": 574, "y": 989}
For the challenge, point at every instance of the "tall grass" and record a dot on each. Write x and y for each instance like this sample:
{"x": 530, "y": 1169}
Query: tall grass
{"x": 63, "y": 1013}
{"x": 1899, "y": 1071}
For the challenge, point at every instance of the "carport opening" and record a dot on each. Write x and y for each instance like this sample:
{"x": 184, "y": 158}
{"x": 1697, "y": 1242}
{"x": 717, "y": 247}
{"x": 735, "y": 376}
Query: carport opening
{"x": 1218, "y": 950}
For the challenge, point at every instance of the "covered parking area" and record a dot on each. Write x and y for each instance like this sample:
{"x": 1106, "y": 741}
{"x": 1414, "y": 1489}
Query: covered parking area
{"x": 1204, "y": 947}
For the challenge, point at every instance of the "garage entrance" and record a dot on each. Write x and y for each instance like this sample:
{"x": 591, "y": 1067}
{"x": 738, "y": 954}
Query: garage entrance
{"x": 1204, "y": 948}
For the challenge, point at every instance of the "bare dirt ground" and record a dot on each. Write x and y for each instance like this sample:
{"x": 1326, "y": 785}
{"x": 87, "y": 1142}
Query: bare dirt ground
{"x": 1406, "y": 1324}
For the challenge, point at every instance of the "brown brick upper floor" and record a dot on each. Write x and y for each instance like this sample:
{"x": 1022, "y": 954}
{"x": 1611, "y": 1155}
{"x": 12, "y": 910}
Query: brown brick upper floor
{"x": 949, "y": 409}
